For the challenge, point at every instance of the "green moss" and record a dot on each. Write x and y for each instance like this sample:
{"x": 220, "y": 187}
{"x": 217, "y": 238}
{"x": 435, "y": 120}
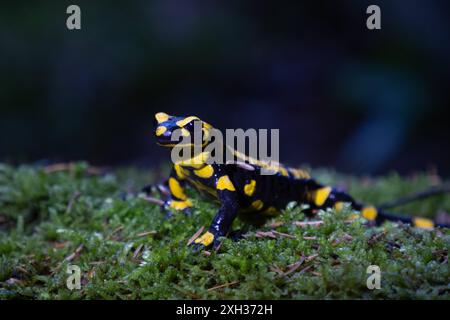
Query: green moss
{"x": 126, "y": 249}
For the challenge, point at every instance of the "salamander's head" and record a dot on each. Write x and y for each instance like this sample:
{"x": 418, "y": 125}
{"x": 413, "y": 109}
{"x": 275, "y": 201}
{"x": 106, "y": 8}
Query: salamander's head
{"x": 171, "y": 130}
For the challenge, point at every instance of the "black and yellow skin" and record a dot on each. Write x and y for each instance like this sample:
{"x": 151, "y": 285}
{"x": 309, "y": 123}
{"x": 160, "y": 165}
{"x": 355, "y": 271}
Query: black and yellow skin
{"x": 240, "y": 188}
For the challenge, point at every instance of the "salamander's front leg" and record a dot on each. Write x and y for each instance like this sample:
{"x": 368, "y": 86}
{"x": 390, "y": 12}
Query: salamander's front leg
{"x": 177, "y": 199}
{"x": 222, "y": 221}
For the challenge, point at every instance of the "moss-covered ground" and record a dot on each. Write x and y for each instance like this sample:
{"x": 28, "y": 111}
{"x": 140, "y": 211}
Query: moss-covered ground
{"x": 53, "y": 217}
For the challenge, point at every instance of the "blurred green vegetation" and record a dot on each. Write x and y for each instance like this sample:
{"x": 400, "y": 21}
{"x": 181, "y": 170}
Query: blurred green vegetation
{"x": 51, "y": 217}
{"x": 374, "y": 101}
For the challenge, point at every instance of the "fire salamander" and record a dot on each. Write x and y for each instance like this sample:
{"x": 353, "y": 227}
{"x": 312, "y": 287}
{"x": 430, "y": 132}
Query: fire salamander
{"x": 240, "y": 188}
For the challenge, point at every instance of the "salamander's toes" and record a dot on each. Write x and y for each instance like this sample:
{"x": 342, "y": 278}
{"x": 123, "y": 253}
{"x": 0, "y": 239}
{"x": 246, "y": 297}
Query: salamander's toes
{"x": 197, "y": 247}
{"x": 187, "y": 212}
{"x": 170, "y": 207}
{"x": 203, "y": 242}
{"x": 169, "y": 214}
{"x": 206, "y": 241}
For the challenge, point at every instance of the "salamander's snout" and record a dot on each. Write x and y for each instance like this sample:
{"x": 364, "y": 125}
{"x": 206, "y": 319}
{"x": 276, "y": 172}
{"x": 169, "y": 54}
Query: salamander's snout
{"x": 161, "y": 117}
{"x": 163, "y": 128}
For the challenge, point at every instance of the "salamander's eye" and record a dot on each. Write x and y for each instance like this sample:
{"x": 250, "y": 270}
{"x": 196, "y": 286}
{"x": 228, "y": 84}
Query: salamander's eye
{"x": 192, "y": 124}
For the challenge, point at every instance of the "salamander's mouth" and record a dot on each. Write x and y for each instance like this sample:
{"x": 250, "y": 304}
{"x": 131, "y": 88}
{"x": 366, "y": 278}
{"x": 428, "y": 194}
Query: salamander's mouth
{"x": 164, "y": 138}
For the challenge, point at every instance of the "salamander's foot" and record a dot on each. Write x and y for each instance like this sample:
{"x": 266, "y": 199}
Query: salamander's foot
{"x": 172, "y": 206}
{"x": 196, "y": 247}
{"x": 207, "y": 240}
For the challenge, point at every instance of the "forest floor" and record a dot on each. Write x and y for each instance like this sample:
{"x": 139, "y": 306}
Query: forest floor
{"x": 56, "y": 217}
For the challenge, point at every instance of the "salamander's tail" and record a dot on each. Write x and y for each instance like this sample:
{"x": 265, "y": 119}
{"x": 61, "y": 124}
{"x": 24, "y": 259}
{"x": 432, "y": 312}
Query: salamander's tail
{"x": 327, "y": 197}
{"x": 380, "y": 216}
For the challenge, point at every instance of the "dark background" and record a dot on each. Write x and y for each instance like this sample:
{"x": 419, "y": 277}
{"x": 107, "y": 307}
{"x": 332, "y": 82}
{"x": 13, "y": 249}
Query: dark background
{"x": 357, "y": 100}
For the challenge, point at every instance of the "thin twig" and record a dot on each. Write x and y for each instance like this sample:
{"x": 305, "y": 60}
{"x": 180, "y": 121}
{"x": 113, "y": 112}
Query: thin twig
{"x": 375, "y": 237}
{"x": 311, "y": 257}
{"x": 118, "y": 229}
{"x": 137, "y": 251}
{"x": 223, "y": 285}
{"x": 57, "y": 167}
{"x": 163, "y": 189}
{"x": 305, "y": 269}
{"x": 263, "y": 234}
{"x": 282, "y": 234}
{"x": 154, "y": 200}
{"x": 72, "y": 201}
{"x": 74, "y": 254}
{"x": 146, "y": 233}
{"x": 308, "y": 223}
{"x": 195, "y": 236}
{"x": 294, "y": 266}
{"x": 276, "y": 224}
{"x": 276, "y": 269}
{"x": 430, "y": 192}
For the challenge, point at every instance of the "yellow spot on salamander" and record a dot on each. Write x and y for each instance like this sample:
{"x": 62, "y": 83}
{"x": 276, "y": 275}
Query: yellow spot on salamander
{"x": 176, "y": 189}
{"x": 249, "y": 188}
{"x": 179, "y": 171}
{"x": 185, "y": 133}
{"x": 180, "y": 205}
{"x": 257, "y": 205}
{"x": 283, "y": 172}
{"x": 370, "y": 213}
{"x": 205, "y": 172}
{"x": 206, "y": 239}
{"x": 339, "y": 206}
{"x": 195, "y": 162}
{"x": 271, "y": 211}
{"x": 185, "y": 121}
{"x": 423, "y": 223}
{"x": 224, "y": 183}
{"x": 299, "y": 174}
{"x": 160, "y": 130}
{"x": 161, "y": 117}
{"x": 321, "y": 195}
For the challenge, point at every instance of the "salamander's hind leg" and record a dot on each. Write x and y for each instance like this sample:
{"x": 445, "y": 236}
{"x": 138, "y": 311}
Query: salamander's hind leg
{"x": 173, "y": 193}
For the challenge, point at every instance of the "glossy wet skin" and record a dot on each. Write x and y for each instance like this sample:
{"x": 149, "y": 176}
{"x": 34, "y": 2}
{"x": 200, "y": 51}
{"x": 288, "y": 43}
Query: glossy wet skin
{"x": 170, "y": 130}
{"x": 242, "y": 188}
